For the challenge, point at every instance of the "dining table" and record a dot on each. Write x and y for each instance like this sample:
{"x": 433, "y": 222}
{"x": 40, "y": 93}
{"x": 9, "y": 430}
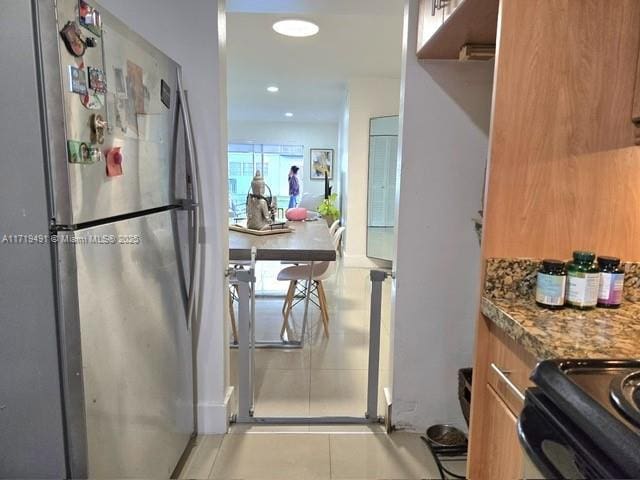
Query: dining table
{"x": 309, "y": 241}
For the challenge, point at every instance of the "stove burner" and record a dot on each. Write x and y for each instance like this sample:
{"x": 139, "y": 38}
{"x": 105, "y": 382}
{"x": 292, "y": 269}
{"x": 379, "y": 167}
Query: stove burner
{"x": 625, "y": 395}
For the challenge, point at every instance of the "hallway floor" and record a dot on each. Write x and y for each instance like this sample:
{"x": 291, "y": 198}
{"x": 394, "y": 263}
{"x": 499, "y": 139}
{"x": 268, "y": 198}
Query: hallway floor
{"x": 328, "y": 377}
{"x": 293, "y": 453}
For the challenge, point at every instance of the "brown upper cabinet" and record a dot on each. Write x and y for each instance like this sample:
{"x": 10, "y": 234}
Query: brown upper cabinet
{"x": 430, "y": 19}
{"x": 445, "y": 26}
{"x": 448, "y": 7}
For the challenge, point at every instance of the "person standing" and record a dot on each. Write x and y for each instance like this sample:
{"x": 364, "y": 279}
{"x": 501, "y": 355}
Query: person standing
{"x": 294, "y": 186}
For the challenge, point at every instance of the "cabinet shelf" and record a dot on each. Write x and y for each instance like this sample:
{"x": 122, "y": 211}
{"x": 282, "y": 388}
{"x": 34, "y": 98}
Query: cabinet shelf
{"x": 471, "y": 22}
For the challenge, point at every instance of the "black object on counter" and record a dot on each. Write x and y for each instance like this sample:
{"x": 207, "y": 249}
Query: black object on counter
{"x": 572, "y": 427}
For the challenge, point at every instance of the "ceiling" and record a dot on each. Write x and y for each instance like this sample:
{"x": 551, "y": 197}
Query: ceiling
{"x": 357, "y": 38}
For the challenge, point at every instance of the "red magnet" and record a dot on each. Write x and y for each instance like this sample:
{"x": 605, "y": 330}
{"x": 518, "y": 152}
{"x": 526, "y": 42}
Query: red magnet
{"x": 114, "y": 162}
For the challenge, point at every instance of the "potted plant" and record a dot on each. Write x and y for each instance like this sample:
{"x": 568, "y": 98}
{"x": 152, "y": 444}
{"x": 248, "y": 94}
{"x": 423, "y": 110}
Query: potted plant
{"x": 328, "y": 209}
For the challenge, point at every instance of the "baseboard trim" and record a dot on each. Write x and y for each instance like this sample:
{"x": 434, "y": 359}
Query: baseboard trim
{"x": 213, "y": 418}
{"x": 359, "y": 261}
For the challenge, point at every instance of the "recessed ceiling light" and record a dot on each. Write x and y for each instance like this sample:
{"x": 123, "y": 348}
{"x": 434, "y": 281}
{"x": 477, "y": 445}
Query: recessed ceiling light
{"x": 296, "y": 28}
{"x": 272, "y": 89}
{"x": 288, "y": 114}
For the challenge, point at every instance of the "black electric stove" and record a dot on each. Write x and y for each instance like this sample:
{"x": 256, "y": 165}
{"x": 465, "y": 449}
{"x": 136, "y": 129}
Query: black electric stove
{"x": 582, "y": 421}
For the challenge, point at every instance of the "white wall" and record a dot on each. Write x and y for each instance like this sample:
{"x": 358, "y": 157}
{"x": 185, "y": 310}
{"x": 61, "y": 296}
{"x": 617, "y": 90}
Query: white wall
{"x": 190, "y": 35}
{"x": 343, "y": 154}
{"x": 311, "y": 135}
{"x": 445, "y": 115}
{"x": 367, "y": 97}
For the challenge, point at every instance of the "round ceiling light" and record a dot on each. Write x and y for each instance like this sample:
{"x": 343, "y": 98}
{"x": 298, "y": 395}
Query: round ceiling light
{"x": 296, "y": 28}
{"x": 288, "y": 114}
{"x": 272, "y": 89}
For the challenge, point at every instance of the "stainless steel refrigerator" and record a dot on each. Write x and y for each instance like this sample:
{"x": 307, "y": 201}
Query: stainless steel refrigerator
{"x": 98, "y": 247}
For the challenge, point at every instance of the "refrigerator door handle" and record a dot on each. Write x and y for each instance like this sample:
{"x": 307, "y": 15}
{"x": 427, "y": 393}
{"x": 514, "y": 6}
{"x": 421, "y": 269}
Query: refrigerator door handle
{"x": 195, "y": 197}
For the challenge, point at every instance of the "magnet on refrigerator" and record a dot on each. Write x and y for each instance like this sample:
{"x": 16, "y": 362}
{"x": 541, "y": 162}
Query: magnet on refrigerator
{"x": 90, "y": 18}
{"x": 72, "y": 38}
{"x": 114, "y": 162}
{"x": 77, "y": 80}
{"x": 97, "y": 80}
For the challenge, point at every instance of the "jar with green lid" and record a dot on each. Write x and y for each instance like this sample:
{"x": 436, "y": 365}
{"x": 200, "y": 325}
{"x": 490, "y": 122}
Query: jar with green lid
{"x": 551, "y": 284}
{"x": 583, "y": 279}
{"x": 611, "y": 282}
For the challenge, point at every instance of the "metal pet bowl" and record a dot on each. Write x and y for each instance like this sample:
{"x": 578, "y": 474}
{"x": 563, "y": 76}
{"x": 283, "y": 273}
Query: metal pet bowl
{"x": 446, "y": 436}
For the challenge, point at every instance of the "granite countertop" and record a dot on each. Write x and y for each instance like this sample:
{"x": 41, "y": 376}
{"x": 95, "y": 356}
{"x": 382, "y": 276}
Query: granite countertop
{"x": 568, "y": 333}
{"x": 509, "y": 303}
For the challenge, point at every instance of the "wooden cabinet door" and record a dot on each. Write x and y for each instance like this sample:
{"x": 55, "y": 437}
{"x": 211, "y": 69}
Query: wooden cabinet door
{"x": 449, "y": 6}
{"x": 428, "y": 23}
{"x": 502, "y": 452}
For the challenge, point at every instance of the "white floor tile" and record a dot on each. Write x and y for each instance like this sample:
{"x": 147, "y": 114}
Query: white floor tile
{"x": 282, "y": 393}
{"x": 276, "y": 359}
{"x": 203, "y": 454}
{"x": 273, "y": 456}
{"x": 399, "y": 456}
{"x": 348, "y": 320}
{"x": 338, "y": 393}
{"x": 340, "y": 352}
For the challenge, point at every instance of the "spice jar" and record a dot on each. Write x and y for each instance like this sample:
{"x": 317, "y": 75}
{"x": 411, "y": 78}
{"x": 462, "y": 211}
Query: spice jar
{"x": 611, "y": 282}
{"x": 583, "y": 278}
{"x": 550, "y": 284}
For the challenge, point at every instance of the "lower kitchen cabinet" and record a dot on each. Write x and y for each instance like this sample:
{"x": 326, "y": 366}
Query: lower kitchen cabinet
{"x": 501, "y": 374}
{"x": 502, "y": 452}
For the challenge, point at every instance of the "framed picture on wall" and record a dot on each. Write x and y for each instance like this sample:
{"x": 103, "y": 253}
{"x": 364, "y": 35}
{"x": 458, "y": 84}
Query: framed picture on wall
{"x": 321, "y": 162}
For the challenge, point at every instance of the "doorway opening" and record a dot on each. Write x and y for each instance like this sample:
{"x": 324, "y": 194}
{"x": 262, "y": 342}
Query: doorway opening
{"x": 307, "y": 103}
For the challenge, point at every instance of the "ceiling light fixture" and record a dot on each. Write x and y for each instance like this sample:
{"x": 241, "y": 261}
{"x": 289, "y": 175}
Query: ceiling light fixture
{"x": 272, "y": 89}
{"x": 288, "y": 114}
{"x": 296, "y": 28}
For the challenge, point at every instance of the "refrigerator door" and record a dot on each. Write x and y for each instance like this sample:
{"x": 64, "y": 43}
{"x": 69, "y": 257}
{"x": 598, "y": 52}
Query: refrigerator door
{"x": 136, "y": 386}
{"x": 139, "y": 107}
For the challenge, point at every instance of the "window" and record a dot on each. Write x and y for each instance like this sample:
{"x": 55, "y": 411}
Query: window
{"x": 274, "y": 161}
{"x": 247, "y": 169}
{"x": 235, "y": 169}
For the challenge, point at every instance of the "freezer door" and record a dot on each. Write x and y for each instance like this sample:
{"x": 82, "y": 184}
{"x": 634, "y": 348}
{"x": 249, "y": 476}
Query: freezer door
{"x": 137, "y": 379}
{"x": 139, "y": 107}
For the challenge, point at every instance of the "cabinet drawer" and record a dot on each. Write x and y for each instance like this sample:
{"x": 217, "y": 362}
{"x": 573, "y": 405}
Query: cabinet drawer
{"x": 508, "y": 369}
{"x": 503, "y": 455}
